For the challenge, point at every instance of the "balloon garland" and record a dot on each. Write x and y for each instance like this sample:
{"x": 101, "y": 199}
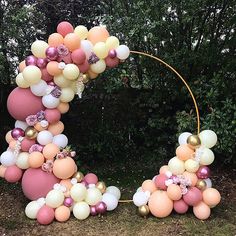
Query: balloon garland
{"x": 39, "y": 156}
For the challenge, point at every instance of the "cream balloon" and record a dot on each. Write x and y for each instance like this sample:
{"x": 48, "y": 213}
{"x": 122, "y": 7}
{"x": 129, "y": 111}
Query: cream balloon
{"x": 71, "y": 72}
{"x": 176, "y": 166}
{"x": 54, "y": 198}
{"x": 112, "y": 42}
{"x": 22, "y": 160}
{"x": 81, "y": 210}
{"x": 81, "y": 31}
{"x": 21, "y": 82}
{"x": 38, "y": 48}
{"x": 32, "y": 209}
{"x": 207, "y": 157}
{"x": 98, "y": 67}
{"x": 208, "y": 138}
{"x": 191, "y": 165}
{"x": 61, "y": 81}
{"x": 93, "y": 196}
{"x": 78, "y": 192}
{"x": 32, "y": 74}
{"x": 67, "y": 95}
{"x": 100, "y": 50}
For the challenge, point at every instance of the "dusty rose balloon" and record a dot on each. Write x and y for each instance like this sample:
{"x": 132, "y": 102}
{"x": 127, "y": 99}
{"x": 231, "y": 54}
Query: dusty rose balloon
{"x": 26, "y": 144}
{"x": 37, "y": 183}
{"x": 13, "y": 174}
{"x": 31, "y": 60}
{"x": 160, "y": 181}
{"x": 64, "y": 28}
{"x": 84, "y": 67}
{"x": 68, "y": 202}
{"x": 78, "y": 56}
{"x": 180, "y": 206}
{"x": 91, "y": 178}
{"x": 112, "y": 62}
{"x": 17, "y": 133}
{"x": 45, "y": 75}
{"x": 45, "y": 215}
{"x": 52, "y": 53}
{"x": 112, "y": 53}
{"x": 101, "y": 207}
{"x": 203, "y": 172}
{"x": 193, "y": 196}
{"x": 42, "y": 62}
{"x": 93, "y": 211}
{"x": 22, "y": 103}
{"x": 52, "y": 115}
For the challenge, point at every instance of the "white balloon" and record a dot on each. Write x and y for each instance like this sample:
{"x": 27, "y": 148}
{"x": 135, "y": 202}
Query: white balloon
{"x": 49, "y": 101}
{"x": 39, "y": 89}
{"x": 32, "y": 209}
{"x": 110, "y": 200}
{"x": 208, "y": 182}
{"x": 122, "y": 52}
{"x": 81, "y": 210}
{"x": 140, "y": 198}
{"x": 21, "y": 124}
{"x": 8, "y": 158}
{"x": 54, "y": 198}
{"x": 44, "y": 137}
{"x": 114, "y": 191}
{"x": 208, "y": 138}
{"x": 87, "y": 47}
{"x": 183, "y": 138}
{"x": 60, "y": 140}
{"x": 22, "y": 160}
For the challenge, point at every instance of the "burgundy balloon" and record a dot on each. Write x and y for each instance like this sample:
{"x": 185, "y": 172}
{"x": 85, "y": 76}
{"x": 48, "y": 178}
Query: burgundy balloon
{"x": 112, "y": 53}
{"x": 203, "y": 172}
{"x": 101, "y": 207}
{"x": 31, "y": 60}
{"x": 42, "y": 62}
{"x": 17, "y": 133}
{"x": 193, "y": 196}
{"x": 52, "y": 53}
{"x": 68, "y": 202}
{"x": 112, "y": 62}
{"x": 93, "y": 211}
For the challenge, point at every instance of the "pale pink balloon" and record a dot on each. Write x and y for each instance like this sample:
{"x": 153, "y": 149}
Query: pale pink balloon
{"x": 22, "y": 103}
{"x": 91, "y": 178}
{"x": 13, "y": 174}
{"x": 52, "y": 115}
{"x": 37, "y": 183}
{"x": 45, "y": 215}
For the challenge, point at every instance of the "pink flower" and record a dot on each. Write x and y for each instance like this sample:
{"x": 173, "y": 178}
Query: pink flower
{"x": 31, "y": 120}
{"x": 36, "y": 148}
{"x": 62, "y": 50}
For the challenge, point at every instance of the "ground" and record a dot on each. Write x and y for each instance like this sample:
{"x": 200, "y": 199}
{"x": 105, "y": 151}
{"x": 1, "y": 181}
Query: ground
{"x": 124, "y": 220}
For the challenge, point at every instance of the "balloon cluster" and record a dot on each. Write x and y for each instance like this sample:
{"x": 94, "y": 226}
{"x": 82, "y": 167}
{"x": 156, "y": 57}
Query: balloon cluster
{"x": 184, "y": 182}
{"x": 38, "y": 152}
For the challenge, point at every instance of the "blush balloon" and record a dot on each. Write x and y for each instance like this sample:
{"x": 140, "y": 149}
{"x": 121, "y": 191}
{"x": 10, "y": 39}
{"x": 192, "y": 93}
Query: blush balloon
{"x": 36, "y": 183}
{"x": 22, "y": 103}
{"x": 45, "y": 215}
{"x": 13, "y": 174}
{"x": 52, "y": 115}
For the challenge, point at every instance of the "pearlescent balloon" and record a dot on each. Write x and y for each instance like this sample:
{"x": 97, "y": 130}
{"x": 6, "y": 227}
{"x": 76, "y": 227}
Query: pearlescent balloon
{"x": 21, "y": 124}
{"x": 60, "y": 140}
{"x": 39, "y": 89}
{"x": 122, "y": 52}
{"x": 110, "y": 200}
{"x": 32, "y": 209}
{"x": 44, "y": 137}
{"x": 50, "y": 101}
{"x": 140, "y": 198}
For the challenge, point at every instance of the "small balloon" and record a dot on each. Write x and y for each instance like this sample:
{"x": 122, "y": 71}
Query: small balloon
{"x": 101, "y": 207}
{"x": 79, "y": 176}
{"x": 101, "y": 186}
{"x": 201, "y": 184}
{"x": 193, "y": 141}
{"x": 31, "y": 133}
{"x": 143, "y": 210}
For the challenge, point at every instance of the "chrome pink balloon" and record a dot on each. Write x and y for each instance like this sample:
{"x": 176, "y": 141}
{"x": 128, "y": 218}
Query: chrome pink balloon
{"x": 203, "y": 172}
{"x": 52, "y": 53}
{"x": 101, "y": 207}
{"x": 42, "y": 62}
{"x": 31, "y": 60}
{"x": 112, "y": 53}
{"x": 68, "y": 202}
{"x": 17, "y": 133}
{"x": 93, "y": 211}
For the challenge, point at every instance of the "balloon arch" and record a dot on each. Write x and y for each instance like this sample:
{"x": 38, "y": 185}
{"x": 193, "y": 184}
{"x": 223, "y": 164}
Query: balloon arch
{"x": 39, "y": 156}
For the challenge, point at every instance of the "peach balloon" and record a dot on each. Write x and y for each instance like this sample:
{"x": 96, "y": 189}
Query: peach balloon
{"x": 56, "y": 128}
{"x": 202, "y": 211}
{"x": 211, "y": 197}
{"x": 50, "y": 151}
{"x": 22, "y": 66}
{"x": 63, "y": 107}
{"x": 149, "y": 185}
{"x": 174, "y": 192}
{"x": 62, "y": 213}
{"x": 64, "y": 168}
{"x": 160, "y": 204}
{"x": 53, "y": 69}
{"x": 72, "y": 41}
{"x": 92, "y": 75}
{"x": 192, "y": 176}
{"x": 164, "y": 169}
{"x": 97, "y": 34}
{"x": 39, "y": 127}
{"x": 2, "y": 171}
{"x": 55, "y": 40}
{"x": 184, "y": 152}
{"x": 8, "y": 137}
{"x": 36, "y": 159}
{"x": 12, "y": 144}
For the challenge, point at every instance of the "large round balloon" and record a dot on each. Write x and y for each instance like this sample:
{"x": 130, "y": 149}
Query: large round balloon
{"x": 22, "y": 103}
{"x": 37, "y": 183}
